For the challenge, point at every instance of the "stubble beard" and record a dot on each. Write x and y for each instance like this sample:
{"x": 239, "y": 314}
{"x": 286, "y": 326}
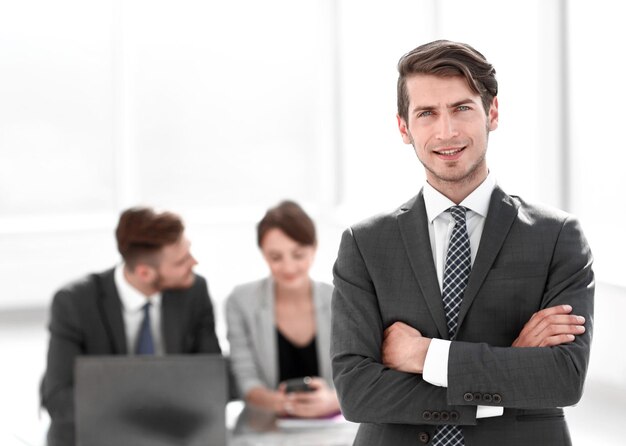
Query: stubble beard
{"x": 160, "y": 283}
{"x": 460, "y": 178}
{"x": 457, "y": 178}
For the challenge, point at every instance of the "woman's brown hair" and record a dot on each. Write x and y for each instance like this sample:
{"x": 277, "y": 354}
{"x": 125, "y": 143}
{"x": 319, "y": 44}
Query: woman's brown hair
{"x": 290, "y": 218}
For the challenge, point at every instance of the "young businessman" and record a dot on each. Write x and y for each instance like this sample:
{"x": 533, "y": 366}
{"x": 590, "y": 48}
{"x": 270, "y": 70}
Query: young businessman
{"x": 465, "y": 316}
{"x": 107, "y": 313}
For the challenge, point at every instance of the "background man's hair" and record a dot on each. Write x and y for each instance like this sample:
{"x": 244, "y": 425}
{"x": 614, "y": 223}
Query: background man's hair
{"x": 141, "y": 234}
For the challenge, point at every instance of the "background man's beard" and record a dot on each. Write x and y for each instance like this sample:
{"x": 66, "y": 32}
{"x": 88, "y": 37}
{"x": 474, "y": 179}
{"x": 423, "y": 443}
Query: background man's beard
{"x": 160, "y": 284}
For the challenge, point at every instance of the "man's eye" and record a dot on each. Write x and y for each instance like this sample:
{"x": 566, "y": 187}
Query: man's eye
{"x": 424, "y": 114}
{"x": 463, "y": 108}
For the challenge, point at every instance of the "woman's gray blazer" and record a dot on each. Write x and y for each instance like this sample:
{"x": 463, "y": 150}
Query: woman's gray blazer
{"x": 252, "y": 334}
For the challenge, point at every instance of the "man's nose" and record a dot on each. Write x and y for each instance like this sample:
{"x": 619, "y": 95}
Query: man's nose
{"x": 446, "y": 127}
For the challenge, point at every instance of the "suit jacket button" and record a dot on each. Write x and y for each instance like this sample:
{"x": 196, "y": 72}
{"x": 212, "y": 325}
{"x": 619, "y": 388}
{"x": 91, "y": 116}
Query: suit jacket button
{"x": 497, "y": 398}
{"x": 468, "y": 397}
{"x": 424, "y": 437}
{"x": 478, "y": 396}
{"x": 487, "y": 398}
{"x": 427, "y": 415}
{"x": 454, "y": 415}
{"x": 445, "y": 415}
{"x": 436, "y": 416}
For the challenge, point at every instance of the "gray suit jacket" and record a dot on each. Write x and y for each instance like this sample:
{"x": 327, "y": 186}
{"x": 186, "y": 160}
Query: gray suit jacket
{"x": 529, "y": 258}
{"x": 86, "y": 319}
{"x": 252, "y": 333}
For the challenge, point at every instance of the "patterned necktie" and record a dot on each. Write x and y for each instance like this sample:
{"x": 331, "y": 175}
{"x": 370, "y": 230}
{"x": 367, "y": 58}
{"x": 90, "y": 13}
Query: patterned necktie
{"x": 455, "y": 277}
{"x": 145, "y": 343}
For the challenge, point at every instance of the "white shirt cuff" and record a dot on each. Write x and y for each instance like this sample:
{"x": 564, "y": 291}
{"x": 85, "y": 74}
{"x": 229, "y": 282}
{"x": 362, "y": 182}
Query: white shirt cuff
{"x": 489, "y": 411}
{"x": 436, "y": 363}
{"x": 436, "y": 373}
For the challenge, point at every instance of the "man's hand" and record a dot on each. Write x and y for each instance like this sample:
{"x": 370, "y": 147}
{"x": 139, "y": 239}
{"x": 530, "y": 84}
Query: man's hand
{"x": 404, "y": 348}
{"x": 549, "y": 327}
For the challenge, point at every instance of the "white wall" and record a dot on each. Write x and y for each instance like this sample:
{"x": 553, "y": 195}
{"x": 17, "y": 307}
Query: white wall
{"x": 598, "y": 144}
{"x": 217, "y": 110}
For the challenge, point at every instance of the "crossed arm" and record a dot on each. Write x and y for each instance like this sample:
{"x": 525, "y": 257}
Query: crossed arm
{"x": 404, "y": 348}
{"x": 377, "y": 361}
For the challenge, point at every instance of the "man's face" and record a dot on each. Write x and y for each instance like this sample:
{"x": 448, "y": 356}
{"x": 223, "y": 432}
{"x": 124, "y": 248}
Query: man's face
{"x": 448, "y": 129}
{"x": 175, "y": 269}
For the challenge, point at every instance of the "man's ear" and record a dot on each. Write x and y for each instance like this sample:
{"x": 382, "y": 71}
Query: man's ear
{"x": 493, "y": 114}
{"x": 404, "y": 130}
{"x": 145, "y": 273}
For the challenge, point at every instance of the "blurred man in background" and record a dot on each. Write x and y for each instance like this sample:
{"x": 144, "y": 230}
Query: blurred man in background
{"x": 151, "y": 303}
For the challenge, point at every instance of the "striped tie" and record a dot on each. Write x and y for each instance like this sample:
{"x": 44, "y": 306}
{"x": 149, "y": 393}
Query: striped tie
{"x": 455, "y": 277}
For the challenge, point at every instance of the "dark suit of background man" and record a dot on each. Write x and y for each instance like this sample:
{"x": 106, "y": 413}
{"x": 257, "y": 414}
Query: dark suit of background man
{"x": 101, "y": 314}
{"x": 524, "y": 326}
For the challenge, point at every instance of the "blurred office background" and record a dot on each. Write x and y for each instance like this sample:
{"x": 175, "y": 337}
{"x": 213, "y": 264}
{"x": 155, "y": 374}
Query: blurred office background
{"x": 219, "y": 109}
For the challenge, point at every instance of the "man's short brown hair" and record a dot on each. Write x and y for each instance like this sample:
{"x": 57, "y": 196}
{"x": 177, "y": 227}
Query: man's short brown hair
{"x": 290, "y": 218}
{"x": 141, "y": 233}
{"x": 445, "y": 58}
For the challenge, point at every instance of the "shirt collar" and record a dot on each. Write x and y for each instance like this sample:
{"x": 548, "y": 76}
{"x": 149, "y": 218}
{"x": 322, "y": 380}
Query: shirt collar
{"x": 132, "y": 299}
{"x": 478, "y": 201}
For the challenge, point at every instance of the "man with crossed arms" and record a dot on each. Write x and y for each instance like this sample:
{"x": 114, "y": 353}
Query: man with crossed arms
{"x": 465, "y": 316}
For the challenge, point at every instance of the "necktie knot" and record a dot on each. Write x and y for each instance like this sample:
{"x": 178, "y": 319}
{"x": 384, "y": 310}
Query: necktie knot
{"x": 458, "y": 213}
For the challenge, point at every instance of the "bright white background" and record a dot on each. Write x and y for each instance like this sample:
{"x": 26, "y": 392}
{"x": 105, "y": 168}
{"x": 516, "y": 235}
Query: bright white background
{"x": 218, "y": 110}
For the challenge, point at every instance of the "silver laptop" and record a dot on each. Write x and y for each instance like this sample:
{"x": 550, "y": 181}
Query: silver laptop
{"x": 151, "y": 400}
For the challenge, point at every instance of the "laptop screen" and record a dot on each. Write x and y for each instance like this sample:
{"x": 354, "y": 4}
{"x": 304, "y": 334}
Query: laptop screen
{"x": 150, "y": 400}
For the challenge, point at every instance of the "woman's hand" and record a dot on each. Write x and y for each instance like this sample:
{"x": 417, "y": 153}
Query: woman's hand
{"x": 321, "y": 401}
{"x": 280, "y": 400}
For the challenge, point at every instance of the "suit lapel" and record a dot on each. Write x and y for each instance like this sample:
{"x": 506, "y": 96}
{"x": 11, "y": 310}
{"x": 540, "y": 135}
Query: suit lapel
{"x": 413, "y": 224}
{"x": 266, "y": 332}
{"x": 501, "y": 215}
{"x": 112, "y": 313}
{"x": 322, "y": 314}
{"x": 170, "y": 322}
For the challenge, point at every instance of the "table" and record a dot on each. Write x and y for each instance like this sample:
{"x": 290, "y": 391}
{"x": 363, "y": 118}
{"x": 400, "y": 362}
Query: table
{"x": 246, "y": 426}
{"x": 254, "y": 427}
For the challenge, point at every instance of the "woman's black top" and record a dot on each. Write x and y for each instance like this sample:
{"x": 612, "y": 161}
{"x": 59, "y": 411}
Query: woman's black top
{"x": 295, "y": 361}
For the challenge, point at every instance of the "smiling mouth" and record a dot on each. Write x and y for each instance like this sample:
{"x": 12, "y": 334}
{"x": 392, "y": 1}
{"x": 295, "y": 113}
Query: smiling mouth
{"x": 450, "y": 152}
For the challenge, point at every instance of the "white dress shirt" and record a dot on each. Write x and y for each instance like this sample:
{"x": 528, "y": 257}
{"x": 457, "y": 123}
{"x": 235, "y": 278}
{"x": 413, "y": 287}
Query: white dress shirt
{"x": 440, "y": 226}
{"x": 132, "y": 311}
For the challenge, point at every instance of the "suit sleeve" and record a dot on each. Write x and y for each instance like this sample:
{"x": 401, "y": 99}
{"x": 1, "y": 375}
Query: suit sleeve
{"x": 205, "y": 338}
{"x": 534, "y": 378}
{"x": 66, "y": 343}
{"x": 242, "y": 361}
{"x": 368, "y": 391}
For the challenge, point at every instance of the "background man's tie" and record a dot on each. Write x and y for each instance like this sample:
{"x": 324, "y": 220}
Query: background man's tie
{"x": 145, "y": 343}
{"x": 455, "y": 277}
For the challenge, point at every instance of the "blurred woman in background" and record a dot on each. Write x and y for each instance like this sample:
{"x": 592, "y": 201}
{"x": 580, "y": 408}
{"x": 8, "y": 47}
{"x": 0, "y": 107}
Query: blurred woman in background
{"x": 279, "y": 327}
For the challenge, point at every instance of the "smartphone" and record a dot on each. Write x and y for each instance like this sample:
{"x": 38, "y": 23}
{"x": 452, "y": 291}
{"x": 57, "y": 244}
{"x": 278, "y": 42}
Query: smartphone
{"x": 299, "y": 385}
